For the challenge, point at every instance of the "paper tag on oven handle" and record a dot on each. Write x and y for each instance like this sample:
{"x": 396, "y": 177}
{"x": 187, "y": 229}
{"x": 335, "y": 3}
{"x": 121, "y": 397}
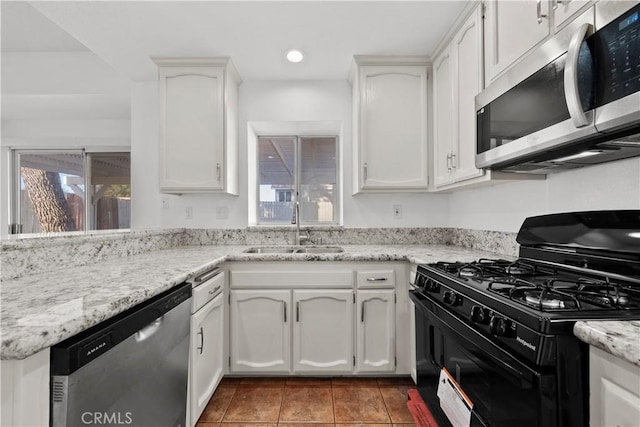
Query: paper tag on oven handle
{"x": 453, "y": 401}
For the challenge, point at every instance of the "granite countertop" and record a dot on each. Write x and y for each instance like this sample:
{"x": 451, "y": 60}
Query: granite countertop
{"x": 41, "y": 310}
{"x": 619, "y": 338}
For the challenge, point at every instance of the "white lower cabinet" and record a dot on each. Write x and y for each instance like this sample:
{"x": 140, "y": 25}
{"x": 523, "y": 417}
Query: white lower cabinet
{"x": 266, "y": 327}
{"x": 260, "y": 332}
{"x": 322, "y": 331}
{"x": 310, "y": 318}
{"x": 375, "y": 343}
{"x": 24, "y": 393}
{"x": 615, "y": 390}
{"x": 207, "y": 334}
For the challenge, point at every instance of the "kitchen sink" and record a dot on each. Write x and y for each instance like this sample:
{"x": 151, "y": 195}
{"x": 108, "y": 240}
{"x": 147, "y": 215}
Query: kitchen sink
{"x": 297, "y": 250}
{"x": 281, "y": 250}
{"x": 320, "y": 250}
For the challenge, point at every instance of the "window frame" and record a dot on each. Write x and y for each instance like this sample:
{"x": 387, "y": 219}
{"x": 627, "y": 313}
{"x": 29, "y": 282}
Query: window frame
{"x": 15, "y": 185}
{"x": 296, "y": 181}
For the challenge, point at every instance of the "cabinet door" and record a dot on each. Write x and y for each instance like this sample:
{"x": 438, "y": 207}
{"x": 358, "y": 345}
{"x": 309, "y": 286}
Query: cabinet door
{"x": 615, "y": 390}
{"x": 323, "y": 331}
{"x": 207, "y": 334}
{"x": 192, "y": 128}
{"x": 566, "y": 9}
{"x": 511, "y": 30}
{"x": 376, "y": 332}
{"x": 260, "y": 333}
{"x": 467, "y": 48}
{"x": 393, "y": 127}
{"x": 443, "y": 117}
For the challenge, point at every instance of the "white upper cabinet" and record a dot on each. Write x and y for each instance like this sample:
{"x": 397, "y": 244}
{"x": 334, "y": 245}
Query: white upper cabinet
{"x": 564, "y": 10}
{"x": 513, "y": 28}
{"x": 198, "y": 125}
{"x": 457, "y": 72}
{"x": 390, "y": 123}
{"x": 443, "y": 117}
{"x": 467, "y": 59}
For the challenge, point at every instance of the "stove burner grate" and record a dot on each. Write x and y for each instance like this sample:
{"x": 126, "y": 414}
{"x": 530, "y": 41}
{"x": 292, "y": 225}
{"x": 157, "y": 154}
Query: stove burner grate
{"x": 560, "y": 293}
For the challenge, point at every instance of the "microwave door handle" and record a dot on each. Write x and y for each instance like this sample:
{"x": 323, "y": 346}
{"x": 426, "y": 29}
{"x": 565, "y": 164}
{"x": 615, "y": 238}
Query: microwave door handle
{"x": 571, "y": 93}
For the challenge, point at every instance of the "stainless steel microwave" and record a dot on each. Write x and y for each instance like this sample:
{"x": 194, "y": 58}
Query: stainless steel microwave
{"x": 572, "y": 102}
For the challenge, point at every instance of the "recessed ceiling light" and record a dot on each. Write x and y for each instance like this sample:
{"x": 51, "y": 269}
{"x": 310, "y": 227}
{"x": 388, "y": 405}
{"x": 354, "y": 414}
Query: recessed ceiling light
{"x": 295, "y": 55}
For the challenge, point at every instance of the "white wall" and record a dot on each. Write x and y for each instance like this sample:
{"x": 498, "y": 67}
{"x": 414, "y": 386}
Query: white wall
{"x": 503, "y": 207}
{"x": 300, "y": 101}
{"x": 146, "y": 200}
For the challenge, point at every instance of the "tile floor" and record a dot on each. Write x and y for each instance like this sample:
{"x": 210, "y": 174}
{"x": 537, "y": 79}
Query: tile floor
{"x": 325, "y": 402}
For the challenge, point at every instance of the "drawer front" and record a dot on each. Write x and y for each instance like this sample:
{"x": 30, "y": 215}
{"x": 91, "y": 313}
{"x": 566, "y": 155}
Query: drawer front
{"x": 287, "y": 279}
{"x": 207, "y": 291}
{"x": 376, "y": 278}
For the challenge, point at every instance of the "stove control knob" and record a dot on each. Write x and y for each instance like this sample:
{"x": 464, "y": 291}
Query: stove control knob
{"x": 499, "y": 326}
{"x": 479, "y": 314}
{"x": 420, "y": 281}
{"x": 432, "y": 285}
{"x": 452, "y": 298}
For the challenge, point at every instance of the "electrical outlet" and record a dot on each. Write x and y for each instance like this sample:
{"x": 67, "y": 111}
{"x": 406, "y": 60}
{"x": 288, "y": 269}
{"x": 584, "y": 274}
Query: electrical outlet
{"x": 222, "y": 212}
{"x": 397, "y": 211}
{"x": 188, "y": 211}
{"x": 165, "y": 204}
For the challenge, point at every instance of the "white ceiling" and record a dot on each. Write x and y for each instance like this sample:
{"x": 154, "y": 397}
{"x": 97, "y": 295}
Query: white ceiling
{"x": 255, "y": 34}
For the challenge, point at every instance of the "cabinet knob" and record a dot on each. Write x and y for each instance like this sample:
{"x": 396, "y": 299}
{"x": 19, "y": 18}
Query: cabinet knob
{"x": 218, "y": 171}
{"x": 365, "y": 171}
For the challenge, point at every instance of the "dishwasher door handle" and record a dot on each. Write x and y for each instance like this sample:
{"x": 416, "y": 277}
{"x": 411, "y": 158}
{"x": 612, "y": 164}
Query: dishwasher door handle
{"x": 149, "y": 330}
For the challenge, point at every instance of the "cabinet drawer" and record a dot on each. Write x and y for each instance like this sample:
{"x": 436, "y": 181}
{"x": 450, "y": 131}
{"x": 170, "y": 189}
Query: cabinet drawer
{"x": 376, "y": 279}
{"x": 284, "y": 279}
{"x": 207, "y": 291}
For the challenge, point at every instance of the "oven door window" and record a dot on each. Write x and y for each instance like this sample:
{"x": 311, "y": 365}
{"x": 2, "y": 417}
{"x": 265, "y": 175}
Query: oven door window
{"x": 504, "y": 391}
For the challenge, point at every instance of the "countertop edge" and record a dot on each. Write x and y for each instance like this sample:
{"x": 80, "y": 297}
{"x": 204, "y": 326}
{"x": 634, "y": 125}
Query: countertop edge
{"x": 619, "y": 338}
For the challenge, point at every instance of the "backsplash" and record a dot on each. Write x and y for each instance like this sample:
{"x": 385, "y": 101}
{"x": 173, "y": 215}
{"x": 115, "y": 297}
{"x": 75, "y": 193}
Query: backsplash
{"x": 320, "y": 236}
{"x": 21, "y": 257}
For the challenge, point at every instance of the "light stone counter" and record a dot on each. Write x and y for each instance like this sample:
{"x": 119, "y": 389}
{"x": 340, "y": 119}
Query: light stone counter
{"x": 44, "y": 309}
{"x": 619, "y": 338}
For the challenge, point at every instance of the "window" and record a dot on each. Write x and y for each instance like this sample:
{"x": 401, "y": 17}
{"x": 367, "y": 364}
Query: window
{"x": 297, "y": 168}
{"x": 59, "y": 191}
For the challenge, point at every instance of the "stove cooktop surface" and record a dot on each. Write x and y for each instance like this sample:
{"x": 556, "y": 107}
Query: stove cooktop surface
{"x": 545, "y": 287}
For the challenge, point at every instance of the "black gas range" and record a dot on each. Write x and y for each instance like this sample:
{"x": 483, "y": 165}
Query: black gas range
{"x": 499, "y": 332}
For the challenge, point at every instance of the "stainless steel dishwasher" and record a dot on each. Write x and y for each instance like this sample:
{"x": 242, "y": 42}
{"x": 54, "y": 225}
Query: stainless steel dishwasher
{"x": 129, "y": 370}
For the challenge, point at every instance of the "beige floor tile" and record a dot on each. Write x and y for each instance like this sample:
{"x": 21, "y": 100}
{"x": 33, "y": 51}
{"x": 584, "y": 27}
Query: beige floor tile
{"x": 359, "y": 404}
{"x": 395, "y": 399}
{"x": 255, "y": 403}
{"x": 307, "y": 404}
{"x": 218, "y": 404}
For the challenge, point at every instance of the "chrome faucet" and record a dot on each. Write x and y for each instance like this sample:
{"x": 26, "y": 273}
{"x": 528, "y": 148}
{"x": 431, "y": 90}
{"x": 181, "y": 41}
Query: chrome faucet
{"x": 300, "y": 240}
